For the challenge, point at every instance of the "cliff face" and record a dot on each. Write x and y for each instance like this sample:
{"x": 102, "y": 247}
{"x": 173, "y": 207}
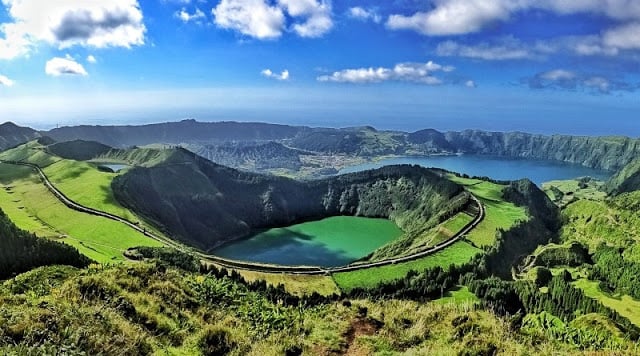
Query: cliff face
{"x": 205, "y": 204}
{"x": 626, "y": 180}
{"x": 611, "y": 153}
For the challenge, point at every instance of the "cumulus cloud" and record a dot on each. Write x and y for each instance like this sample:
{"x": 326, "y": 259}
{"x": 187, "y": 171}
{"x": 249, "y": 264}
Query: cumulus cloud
{"x": 453, "y": 17}
{"x": 91, "y": 59}
{"x": 6, "y": 82}
{"x": 470, "y": 84}
{"x": 411, "y": 72}
{"x": 260, "y": 19}
{"x": 59, "y": 66}
{"x": 571, "y": 80}
{"x": 253, "y": 18}
{"x": 284, "y": 75}
{"x": 65, "y": 23}
{"x": 456, "y": 17}
{"x": 186, "y": 17}
{"x": 623, "y": 37}
{"x": 363, "y": 14}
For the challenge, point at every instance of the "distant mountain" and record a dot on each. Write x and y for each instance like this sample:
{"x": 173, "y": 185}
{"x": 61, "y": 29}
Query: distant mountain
{"x": 252, "y": 156}
{"x": 174, "y": 133}
{"x": 610, "y": 153}
{"x": 12, "y": 135}
{"x": 206, "y": 204}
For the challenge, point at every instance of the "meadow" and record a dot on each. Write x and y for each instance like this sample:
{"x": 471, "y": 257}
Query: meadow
{"x": 32, "y": 207}
{"x": 456, "y": 254}
{"x": 499, "y": 213}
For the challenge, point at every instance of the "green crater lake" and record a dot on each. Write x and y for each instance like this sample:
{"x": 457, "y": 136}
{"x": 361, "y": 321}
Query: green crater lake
{"x": 330, "y": 242}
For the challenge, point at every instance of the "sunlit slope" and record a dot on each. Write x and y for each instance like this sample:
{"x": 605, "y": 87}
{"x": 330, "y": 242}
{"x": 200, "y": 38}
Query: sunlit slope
{"x": 34, "y": 208}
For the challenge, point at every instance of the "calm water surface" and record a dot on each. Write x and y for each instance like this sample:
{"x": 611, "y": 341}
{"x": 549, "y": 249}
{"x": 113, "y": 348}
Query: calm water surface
{"x": 330, "y": 242}
{"x": 501, "y": 168}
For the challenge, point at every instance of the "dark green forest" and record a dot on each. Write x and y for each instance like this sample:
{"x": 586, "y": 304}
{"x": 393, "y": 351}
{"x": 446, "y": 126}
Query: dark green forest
{"x": 21, "y": 251}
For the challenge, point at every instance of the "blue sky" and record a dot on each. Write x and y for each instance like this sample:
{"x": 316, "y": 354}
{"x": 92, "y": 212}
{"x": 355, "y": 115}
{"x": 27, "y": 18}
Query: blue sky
{"x": 549, "y": 66}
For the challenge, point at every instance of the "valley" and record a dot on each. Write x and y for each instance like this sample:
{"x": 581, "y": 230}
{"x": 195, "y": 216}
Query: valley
{"x": 402, "y": 231}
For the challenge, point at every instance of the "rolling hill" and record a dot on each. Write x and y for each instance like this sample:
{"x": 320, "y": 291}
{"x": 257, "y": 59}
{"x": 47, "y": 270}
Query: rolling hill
{"x": 206, "y": 204}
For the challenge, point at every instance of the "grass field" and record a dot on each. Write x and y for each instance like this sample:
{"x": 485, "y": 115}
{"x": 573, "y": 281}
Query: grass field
{"x": 624, "y": 305}
{"x": 460, "y": 295}
{"x": 456, "y": 223}
{"x": 295, "y": 284}
{"x": 456, "y": 254}
{"x": 572, "y": 190}
{"x": 86, "y": 185}
{"x": 32, "y": 207}
{"x": 31, "y": 152}
{"x": 499, "y": 214}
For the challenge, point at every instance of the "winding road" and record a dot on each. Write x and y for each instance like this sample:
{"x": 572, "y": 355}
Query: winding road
{"x": 305, "y": 270}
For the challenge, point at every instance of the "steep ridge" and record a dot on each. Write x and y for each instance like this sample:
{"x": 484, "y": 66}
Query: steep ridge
{"x": 205, "y": 204}
{"x": 12, "y": 135}
{"x": 611, "y": 153}
{"x": 626, "y": 180}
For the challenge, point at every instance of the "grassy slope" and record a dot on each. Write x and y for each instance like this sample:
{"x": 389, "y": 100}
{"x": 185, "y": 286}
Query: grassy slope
{"x": 295, "y": 284}
{"x": 127, "y": 309}
{"x": 594, "y": 222}
{"x": 499, "y": 214}
{"x": 33, "y": 208}
{"x": 458, "y": 296}
{"x": 623, "y": 304}
{"x": 572, "y": 190}
{"x": 457, "y": 253}
{"x": 86, "y": 185}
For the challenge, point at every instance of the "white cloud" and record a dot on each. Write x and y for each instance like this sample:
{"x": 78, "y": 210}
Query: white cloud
{"x": 253, "y": 18}
{"x": 284, "y": 75}
{"x": 570, "y": 80}
{"x": 601, "y": 84}
{"x": 66, "y": 23}
{"x": 364, "y": 14}
{"x": 185, "y": 16}
{"x": 58, "y": 66}
{"x": 316, "y": 12}
{"x": 453, "y": 17}
{"x": 411, "y": 72}
{"x": 623, "y": 37}
{"x": 470, "y": 84}
{"x": 558, "y": 74}
{"x": 6, "y": 82}
{"x": 484, "y": 51}
{"x": 91, "y": 59}
{"x": 456, "y": 17}
{"x": 260, "y": 19}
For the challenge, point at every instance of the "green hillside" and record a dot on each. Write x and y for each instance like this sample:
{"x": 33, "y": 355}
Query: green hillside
{"x": 206, "y": 204}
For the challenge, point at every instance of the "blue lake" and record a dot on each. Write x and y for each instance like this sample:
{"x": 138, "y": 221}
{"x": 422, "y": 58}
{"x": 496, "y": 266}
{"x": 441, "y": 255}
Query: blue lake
{"x": 500, "y": 168}
{"x": 114, "y": 166}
